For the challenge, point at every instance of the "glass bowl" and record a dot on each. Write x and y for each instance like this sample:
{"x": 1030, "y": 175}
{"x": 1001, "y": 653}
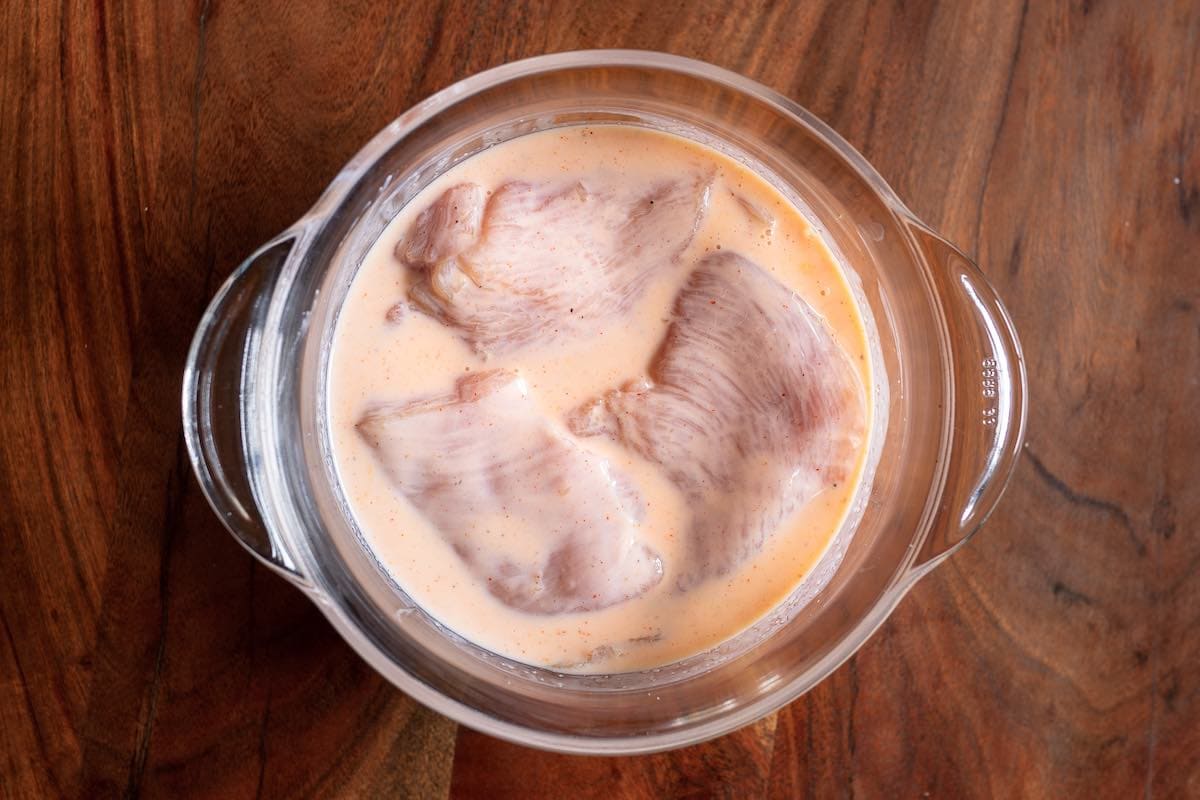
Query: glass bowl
{"x": 950, "y": 383}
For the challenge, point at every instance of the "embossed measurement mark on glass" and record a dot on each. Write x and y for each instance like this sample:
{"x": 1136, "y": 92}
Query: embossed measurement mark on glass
{"x": 989, "y": 380}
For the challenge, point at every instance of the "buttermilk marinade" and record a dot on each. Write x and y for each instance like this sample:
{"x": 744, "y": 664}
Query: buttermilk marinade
{"x": 599, "y": 398}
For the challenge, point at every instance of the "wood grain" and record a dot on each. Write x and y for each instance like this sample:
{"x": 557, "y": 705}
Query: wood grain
{"x": 145, "y": 148}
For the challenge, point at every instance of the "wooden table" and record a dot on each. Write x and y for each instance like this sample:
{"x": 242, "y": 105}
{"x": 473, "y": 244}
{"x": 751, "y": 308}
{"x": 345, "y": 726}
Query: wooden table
{"x": 146, "y": 148}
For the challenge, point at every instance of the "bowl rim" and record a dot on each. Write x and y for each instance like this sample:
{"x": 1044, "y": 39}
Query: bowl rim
{"x": 340, "y": 187}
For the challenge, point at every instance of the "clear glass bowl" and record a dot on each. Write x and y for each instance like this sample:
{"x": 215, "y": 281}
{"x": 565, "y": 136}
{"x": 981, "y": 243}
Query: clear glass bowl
{"x": 948, "y": 365}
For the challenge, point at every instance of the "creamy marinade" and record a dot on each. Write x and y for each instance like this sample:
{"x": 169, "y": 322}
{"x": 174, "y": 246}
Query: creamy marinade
{"x": 532, "y": 346}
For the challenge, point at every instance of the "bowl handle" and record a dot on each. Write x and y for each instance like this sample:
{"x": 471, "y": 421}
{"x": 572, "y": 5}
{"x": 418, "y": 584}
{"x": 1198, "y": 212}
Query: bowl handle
{"x": 217, "y": 426}
{"x": 987, "y": 398}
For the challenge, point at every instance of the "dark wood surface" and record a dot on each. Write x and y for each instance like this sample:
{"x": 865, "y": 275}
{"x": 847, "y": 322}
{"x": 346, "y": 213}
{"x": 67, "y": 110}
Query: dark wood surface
{"x": 146, "y": 148}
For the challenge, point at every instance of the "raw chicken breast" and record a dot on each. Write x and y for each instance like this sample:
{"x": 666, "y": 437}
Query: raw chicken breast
{"x": 540, "y": 260}
{"x": 752, "y": 410}
{"x": 549, "y": 525}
